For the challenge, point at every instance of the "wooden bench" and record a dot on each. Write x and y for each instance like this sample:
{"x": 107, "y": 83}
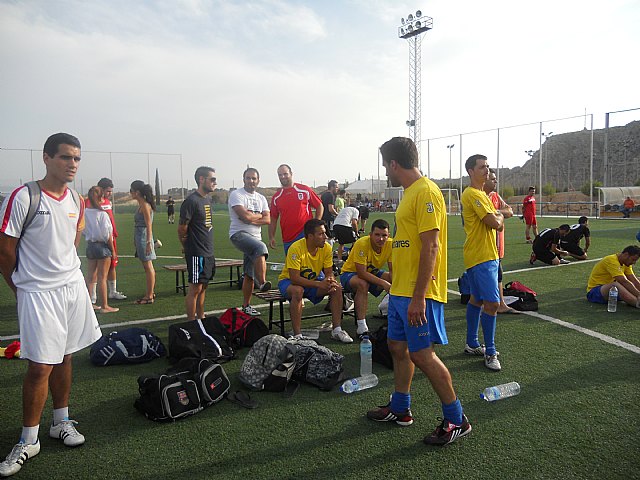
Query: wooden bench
{"x": 273, "y": 296}
{"x": 181, "y": 269}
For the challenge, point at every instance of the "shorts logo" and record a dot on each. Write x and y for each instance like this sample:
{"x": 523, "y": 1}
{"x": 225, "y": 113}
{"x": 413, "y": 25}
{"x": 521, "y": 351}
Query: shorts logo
{"x": 423, "y": 334}
{"x": 429, "y": 207}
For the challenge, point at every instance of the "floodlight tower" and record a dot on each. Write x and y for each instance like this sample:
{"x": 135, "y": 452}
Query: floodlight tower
{"x": 411, "y": 30}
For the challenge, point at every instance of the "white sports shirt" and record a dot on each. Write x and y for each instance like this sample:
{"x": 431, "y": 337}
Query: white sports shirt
{"x": 97, "y": 225}
{"x": 253, "y": 202}
{"x": 346, "y": 215}
{"x": 47, "y": 254}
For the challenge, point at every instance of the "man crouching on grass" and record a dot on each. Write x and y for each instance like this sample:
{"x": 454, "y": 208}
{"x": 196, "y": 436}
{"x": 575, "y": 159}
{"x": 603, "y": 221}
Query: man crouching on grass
{"x": 308, "y": 273}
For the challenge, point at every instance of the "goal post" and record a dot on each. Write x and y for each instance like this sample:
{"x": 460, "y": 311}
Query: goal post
{"x": 451, "y": 200}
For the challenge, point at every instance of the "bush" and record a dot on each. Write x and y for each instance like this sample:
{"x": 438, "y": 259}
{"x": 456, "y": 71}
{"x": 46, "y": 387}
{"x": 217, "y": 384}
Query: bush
{"x": 548, "y": 189}
{"x": 507, "y": 191}
{"x": 585, "y": 188}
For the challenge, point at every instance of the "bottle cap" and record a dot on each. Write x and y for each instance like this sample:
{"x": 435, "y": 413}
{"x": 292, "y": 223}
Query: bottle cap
{"x": 482, "y": 397}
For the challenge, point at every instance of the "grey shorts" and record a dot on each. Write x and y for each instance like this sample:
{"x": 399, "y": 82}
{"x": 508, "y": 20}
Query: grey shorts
{"x": 251, "y": 247}
{"x": 98, "y": 251}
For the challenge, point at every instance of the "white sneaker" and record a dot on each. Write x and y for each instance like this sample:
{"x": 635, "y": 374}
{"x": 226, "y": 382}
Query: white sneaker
{"x": 249, "y": 310}
{"x": 342, "y": 336}
{"x": 117, "y": 296}
{"x": 66, "y": 431}
{"x": 479, "y": 350}
{"x": 564, "y": 262}
{"x": 492, "y": 363}
{"x": 20, "y": 454}
{"x": 265, "y": 287}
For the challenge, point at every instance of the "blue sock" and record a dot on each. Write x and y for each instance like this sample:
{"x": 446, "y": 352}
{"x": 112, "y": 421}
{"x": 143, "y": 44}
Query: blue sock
{"x": 473, "y": 322}
{"x": 489, "y": 333}
{"x": 400, "y": 402}
{"x": 453, "y": 412}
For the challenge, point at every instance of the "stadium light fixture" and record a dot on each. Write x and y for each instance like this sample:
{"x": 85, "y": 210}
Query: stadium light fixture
{"x": 414, "y": 25}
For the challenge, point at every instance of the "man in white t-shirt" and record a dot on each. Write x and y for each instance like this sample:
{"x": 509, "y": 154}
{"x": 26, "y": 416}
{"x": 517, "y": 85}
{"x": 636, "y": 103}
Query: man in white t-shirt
{"x": 55, "y": 315}
{"x": 248, "y": 211}
{"x": 345, "y": 227}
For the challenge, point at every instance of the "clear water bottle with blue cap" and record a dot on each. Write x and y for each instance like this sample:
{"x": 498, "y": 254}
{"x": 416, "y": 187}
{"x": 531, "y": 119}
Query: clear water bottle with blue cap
{"x": 506, "y": 390}
{"x": 613, "y": 299}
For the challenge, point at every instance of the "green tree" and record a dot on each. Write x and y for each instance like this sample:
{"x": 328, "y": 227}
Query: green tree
{"x": 637, "y": 184}
{"x": 585, "y": 188}
{"x": 548, "y": 189}
{"x": 507, "y": 191}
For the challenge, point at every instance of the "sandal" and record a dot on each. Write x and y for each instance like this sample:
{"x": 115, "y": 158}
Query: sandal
{"x": 243, "y": 399}
{"x": 144, "y": 301}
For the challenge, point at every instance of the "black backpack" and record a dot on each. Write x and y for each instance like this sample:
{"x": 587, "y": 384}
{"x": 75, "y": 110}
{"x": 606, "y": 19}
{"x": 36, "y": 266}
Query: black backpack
{"x": 381, "y": 353}
{"x": 192, "y": 385}
{"x": 317, "y": 365}
{"x": 526, "y": 301}
{"x": 205, "y": 338}
{"x": 131, "y": 345}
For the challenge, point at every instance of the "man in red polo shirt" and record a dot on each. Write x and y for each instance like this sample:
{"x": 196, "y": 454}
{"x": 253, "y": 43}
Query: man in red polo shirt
{"x": 292, "y": 204}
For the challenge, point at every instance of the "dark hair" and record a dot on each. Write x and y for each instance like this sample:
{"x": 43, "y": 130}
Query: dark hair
{"x": 582, "y": 220}
{"x": 285, "y": 165}
{"x": 532, "y": 188}
{"x": 250, "y": 169}
{"x": 202, "y": 172}
{"x": 402, "y": 150}
{"x": 311, "y": 225}
{"x": 342, "y": 191}
{"x": 491, "y": 170}
{"x": 471, "y": 161}
{"x": 332, "y": 183}
{"x": 380, "y": 223}
{"x": 564, "y": 226}
{"x": 105, "y": 182}
{"x": 145, "y": 190}
{"x": 95, "y": 195}
{"x": 57, "y": 139}
{"x": 632, "y": 250}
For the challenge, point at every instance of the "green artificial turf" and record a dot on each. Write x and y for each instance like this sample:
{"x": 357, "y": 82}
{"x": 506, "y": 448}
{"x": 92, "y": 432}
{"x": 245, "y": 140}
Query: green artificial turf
{"x": 576, "y": 417}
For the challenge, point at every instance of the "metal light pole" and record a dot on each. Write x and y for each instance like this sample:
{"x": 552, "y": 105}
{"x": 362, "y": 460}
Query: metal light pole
{"x": 411, "y": 30}
{"x": 450, "y": 147}
{"x": 546, "y": 137}
{"x": 530, "y": 153}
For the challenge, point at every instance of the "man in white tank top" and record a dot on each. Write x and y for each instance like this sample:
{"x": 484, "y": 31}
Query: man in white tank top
{"x": 41, "y": 265}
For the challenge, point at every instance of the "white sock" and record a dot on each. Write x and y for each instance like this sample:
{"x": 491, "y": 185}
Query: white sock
{"x": 60, "y": 414}
{"x": 29, "y": 434}
{"x": 112, "y": 286}
{"x": 337, "y": 330}
{"x": 362, "y": 326}
{"x": 92, "y": 289}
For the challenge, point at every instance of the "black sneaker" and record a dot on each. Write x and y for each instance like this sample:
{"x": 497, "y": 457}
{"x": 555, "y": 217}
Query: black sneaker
{"x": 384, "y": 414}
{"x": 448, "y": 432}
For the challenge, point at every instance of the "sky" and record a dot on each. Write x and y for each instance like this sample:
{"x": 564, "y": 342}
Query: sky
{"x": 316, "y": 85}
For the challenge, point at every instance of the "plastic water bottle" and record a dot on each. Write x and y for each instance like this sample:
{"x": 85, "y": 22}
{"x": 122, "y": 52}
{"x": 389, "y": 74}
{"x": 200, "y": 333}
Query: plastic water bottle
{"x": 366, "y": 352}
{"x": 277, "y": 267}
{"x": 506, "y": 390}
{"x": 360, "y": 383}
{"x": 613, "y": 299}
{"x": 311, "y": 333}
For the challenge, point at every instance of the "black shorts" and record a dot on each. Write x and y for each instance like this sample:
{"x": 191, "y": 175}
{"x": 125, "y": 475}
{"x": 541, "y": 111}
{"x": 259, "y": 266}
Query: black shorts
{"x": 364, "y": 212}
{"x": 200, "y": 269}
{"x": 573, "y": 248}
{"x": 544, "y": 255}
{"x": 344, "y": 234}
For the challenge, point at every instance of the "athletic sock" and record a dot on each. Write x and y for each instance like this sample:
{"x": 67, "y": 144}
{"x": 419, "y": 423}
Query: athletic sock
{"x": 489, "y": 332}
{"x": 453, "y": 412}
{"x": 60, "y": 414}
{"x": 29, "y": 434}
{"x": 473, "y": 322}
{"x": 400, "y": 402}
{"x": 112, "y": 286}
{"x": 362, "y": 326}
{"x": 92, "y": 290}
{"x": 336, "y": 330}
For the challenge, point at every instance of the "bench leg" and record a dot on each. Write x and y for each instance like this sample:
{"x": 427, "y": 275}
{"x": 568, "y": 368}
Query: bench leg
{"x": 184, "y": 287}
{"x": 177, "y": 282}
{"x": 282, "y": 317}
{"x": 270, "y": 314}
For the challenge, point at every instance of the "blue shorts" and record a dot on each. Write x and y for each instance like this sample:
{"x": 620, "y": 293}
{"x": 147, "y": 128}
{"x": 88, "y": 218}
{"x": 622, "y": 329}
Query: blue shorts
{"x": 595, "y": 295}
{"x": 417, "y": 338}
{"x": 483, "y": 281}
{"x": 288, "y": 244}
{"x": 346, "y": 277}
{"x": 251, "y": 247}
{"x": 309, "y": 293}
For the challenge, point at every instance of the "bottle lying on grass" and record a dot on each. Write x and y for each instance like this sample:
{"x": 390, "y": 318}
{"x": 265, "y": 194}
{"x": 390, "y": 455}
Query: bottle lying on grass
{"x": 506, "y": 390}
{"x": 359, "y": 383}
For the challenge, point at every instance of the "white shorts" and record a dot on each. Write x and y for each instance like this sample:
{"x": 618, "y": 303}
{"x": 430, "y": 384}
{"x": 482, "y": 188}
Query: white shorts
{"x": 56, "y": 323}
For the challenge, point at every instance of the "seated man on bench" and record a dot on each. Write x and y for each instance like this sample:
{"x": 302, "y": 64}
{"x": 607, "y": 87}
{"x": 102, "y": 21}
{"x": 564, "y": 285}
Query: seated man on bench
{"x": 308, "y": 273}
{"x": 362, "y": 272}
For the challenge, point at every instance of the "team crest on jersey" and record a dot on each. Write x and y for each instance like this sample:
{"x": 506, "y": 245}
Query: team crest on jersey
{"x": 73, "y": 215}
{"x": 300, "y": 196}
{"x": 429, "y": 207}
{"x": 477, "y": 203}
{"x": 294, "y": 256}
{"x": 361, "y": 253}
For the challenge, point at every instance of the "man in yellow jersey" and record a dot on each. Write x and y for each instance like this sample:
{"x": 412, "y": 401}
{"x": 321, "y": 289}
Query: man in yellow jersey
{"x": 481, "y": 221}
{"x": 308, "y": 273}
{"x": 363, "y": 271}
{"x": 418, "y": 294}
{"x": 615, "y": 270}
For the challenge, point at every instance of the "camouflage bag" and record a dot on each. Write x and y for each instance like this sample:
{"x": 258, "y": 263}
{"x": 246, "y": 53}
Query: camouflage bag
{"x": 317, "y": 365}
{"x": 269, "y": 364}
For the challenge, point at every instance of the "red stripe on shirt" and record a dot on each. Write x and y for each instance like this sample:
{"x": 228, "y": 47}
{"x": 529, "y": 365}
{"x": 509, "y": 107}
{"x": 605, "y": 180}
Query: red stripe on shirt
{"x": 7, "y": 213}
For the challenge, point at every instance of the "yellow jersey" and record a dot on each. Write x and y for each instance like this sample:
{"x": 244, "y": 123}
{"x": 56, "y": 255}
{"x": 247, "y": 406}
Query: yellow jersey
{"x": 310, "y": 266}
{"x": 480, "y": 244}
{"x": 605, "y": 271}
{"x": 421, "y": 210}
{"x": 363, "y": 253}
